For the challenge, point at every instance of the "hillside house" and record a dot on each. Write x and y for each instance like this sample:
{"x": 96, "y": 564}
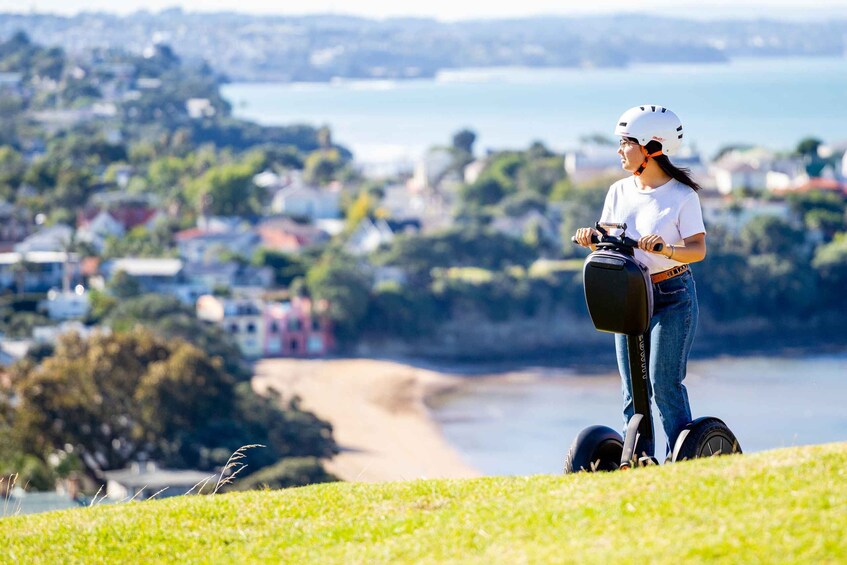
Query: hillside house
{"x": 38, "y": 271}
{"x": 296, "y": 329}
{"x": 285, "y": 234}
{"x": 368, "y": 236}
{"x": 229, "y": 275}
{"x": 142, "y": 480}
{"x": 278, "y": 329}
{"x": 198, "y": 245}
{"x": 591, "y": 161}
{"x": 54, "y": 238}
{"x": 67, "y": 305}
{"x": 308, "y": 202}
{"x": 153, "y": 274}
{"x": 242, "y": 318}
{"x": 733, "y": 215}
{"x": 115, "y": 214}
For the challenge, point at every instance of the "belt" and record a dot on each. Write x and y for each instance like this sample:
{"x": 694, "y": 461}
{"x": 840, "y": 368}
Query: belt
{"x": 669, "y": 274}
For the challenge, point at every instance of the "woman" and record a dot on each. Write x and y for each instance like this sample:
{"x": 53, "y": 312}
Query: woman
{"x": 658, "y": 204}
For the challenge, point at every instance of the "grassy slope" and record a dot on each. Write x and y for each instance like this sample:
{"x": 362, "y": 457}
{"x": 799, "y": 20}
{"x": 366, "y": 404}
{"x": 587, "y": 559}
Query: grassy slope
{"x": 787, "y": 505}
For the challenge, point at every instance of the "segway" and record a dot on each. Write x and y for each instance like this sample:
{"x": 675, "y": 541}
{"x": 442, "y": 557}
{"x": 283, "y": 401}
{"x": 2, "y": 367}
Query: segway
{"x": 619, "y": 295}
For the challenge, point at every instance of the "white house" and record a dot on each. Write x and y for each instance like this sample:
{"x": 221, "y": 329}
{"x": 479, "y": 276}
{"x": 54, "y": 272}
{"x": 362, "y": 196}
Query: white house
{"x": 735, "y": 214}
{"x": 432, "y": 168}
{"x": 199, "y": 108}
{"x": 153, "y": 274}
{"x": 101, "y": 227}
{"x": 755, "y": 169}
{"x": 203, "y": 246}
{"x": 473, "y": 170}
{"x": 309, "y": 202}
{"x": 51, "y": 334}
{"x": 67, "y": 305}
{"x": 368, "y": 236}
{"x": 398, "y": 201}
{"x": 38, "y": 270}
{"x": 591, "y": 161}
{"x": 242, "y": 318}
{"x": 143, "y": 480}
{"x": 53, "y": 238}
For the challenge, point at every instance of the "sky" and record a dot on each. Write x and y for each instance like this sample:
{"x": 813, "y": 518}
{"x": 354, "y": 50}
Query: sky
{"x": 451, "y": 10}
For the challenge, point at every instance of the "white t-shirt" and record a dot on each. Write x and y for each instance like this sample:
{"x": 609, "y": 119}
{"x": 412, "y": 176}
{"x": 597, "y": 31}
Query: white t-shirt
{"x": 671, "y": 211}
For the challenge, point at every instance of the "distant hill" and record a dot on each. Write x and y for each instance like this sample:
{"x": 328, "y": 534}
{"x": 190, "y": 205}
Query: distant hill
{"x": 320, "y": 48}
{"x": 783, "y": 506}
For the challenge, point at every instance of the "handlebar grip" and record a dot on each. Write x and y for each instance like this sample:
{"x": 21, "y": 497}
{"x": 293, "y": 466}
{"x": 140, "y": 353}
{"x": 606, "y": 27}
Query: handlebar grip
{"x": 594, "y": 239}
{"x": 626, "y": 240}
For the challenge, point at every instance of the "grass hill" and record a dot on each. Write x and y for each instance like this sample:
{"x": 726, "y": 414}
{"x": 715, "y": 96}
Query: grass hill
{"x": 788, "y": 505}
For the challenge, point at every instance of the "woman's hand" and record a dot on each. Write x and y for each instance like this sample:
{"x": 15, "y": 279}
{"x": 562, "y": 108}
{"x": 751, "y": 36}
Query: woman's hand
{"x": 648, "y": 243}
{"x": 583, "y": 236}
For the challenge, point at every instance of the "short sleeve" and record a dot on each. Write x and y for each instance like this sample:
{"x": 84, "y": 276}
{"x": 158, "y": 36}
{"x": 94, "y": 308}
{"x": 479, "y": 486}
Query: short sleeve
{"x": 691, "y": 217}
{"x": 608, "y": 207}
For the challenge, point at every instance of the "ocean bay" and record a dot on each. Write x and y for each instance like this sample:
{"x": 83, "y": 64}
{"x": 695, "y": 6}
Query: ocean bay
{"x": 771, "y": 102}
{"x": 522, "y": 422}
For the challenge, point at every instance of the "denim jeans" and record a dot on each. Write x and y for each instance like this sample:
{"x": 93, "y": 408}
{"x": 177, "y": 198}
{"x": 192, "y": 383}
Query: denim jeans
{"x": 675, "y": 313}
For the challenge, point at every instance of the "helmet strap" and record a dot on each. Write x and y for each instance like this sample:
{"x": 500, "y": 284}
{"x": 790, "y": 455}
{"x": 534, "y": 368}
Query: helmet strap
{"x": 646, "y": 158}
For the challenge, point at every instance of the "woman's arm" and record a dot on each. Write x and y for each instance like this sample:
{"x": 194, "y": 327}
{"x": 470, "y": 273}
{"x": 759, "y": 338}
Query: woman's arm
{"x": 692, "y": 250}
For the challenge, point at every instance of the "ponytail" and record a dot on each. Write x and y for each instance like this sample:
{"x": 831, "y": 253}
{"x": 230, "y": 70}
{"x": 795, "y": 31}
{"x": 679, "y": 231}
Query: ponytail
{"x": 680, "y": 174}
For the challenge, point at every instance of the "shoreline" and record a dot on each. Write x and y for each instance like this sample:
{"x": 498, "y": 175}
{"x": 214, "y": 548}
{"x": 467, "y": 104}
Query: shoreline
{"x": 379, "y": 408}
{"x": 378, "y": 412}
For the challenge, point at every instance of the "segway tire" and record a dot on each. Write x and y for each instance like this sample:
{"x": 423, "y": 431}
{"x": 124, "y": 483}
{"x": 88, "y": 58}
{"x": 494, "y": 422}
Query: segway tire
{"x": 597, "y": 448}
{"x": 705, "y": 437}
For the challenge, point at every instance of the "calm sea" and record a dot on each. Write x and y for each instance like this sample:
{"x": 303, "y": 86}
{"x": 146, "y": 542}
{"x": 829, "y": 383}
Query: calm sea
{"x": 771, "y": 102}
{"x": 523, "y": 422}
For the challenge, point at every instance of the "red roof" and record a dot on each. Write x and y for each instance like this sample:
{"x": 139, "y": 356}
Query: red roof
{"x": 128, "y": 216}
{"x": 820, "y": 183}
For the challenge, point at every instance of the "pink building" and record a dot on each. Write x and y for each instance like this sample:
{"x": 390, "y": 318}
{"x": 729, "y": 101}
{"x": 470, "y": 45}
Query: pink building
{"x": 297, "y": 328}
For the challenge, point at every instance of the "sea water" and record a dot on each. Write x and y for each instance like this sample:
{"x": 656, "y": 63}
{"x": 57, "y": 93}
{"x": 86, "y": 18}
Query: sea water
{"x": 770, "y": 102}
{"x": 522, "y": 422}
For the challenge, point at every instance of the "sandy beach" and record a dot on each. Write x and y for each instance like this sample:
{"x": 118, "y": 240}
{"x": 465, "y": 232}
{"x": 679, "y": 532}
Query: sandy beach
{"x": 378, "y": 413}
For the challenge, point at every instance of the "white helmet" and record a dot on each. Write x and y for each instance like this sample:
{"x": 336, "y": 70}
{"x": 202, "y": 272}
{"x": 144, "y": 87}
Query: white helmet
{"x": 651, "y": 122}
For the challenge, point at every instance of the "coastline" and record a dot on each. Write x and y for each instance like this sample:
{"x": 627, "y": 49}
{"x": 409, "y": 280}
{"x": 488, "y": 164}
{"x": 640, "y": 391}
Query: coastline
{"x": 378, "y": 412}
{"x": 382, "y": 421}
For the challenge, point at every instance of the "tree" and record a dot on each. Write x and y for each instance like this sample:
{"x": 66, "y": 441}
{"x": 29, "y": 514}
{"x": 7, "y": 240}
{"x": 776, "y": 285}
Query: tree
{"x": 770, "y": 234}
{"x": 337, "y": 279}
{"x": 113, "y": 399}
{"x": 830, "y": 261}
{"x": 227, "y": 190}
{"x": 808, "y": 147}
{"x": 171, "y": 320}
{"x": 123, "y": 285}
{"x": 463, "y": 140}
{"x": 321, "y": 167}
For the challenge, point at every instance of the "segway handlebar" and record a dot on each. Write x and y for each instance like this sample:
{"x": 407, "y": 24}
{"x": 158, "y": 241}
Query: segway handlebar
{"x": 622, "y": 240}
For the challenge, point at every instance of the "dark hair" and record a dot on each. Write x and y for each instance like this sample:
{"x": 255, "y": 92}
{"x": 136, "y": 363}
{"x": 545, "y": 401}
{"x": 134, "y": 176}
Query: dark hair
{"x": 681, "y": 174}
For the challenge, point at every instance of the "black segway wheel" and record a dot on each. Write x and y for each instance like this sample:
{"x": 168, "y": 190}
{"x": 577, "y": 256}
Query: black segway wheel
{"x": 597, "y": 448}
{"x": 705, "y": 437}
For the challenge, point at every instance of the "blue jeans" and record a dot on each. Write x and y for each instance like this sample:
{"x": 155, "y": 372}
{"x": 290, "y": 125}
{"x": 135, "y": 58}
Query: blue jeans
{"x": 675, "y": 313}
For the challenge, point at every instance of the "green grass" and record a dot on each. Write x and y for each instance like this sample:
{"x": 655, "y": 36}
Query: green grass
{"x": 788, "y": 505}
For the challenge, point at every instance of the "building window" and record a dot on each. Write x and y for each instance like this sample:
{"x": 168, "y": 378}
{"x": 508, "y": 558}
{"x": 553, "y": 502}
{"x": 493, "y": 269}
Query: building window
{"x": 294, "y": 325}
{"x": 274, "y": 328}
{"x": 233, "y": 328}
{"x": 251, "y": 328}
{"x": 294, "y": 346}
{"x": 316, "y": 325}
